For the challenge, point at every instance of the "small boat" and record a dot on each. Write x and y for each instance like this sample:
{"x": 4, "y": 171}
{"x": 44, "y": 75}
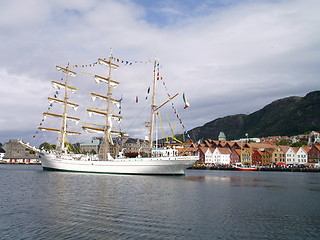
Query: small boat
{"x": 159, "y": 161}
{"x": 241, "y": 167}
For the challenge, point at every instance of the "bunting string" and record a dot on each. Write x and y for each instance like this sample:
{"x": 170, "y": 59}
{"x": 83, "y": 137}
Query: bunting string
{"x": 128, "y": 62}
{"x": 159, "y": 77}
{"x": 85, "y": 65}
{"x": 55, "y": 95}
{"x": 117, "y": 60}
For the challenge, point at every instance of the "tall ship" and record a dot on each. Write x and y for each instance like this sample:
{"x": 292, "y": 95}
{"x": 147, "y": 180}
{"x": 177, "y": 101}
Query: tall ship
{"x": 159, "y": 161}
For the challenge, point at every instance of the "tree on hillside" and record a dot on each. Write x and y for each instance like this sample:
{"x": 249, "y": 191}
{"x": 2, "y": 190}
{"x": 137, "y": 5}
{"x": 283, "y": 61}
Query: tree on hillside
{"x": 299, "y": 144}
{"x": 47, "y": 146}
{"x": 283, "y": 142}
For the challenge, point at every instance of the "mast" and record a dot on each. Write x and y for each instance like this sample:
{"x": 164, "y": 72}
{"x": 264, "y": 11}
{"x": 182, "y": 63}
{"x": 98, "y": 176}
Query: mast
{"x": 109, "y": 100}
{"x": 106, "y": 149}
{"x": 153, "y": 106}
{"x": 63, "y": 134}
{"x": 61, "y": 146}
{"x": 105, "y": 129}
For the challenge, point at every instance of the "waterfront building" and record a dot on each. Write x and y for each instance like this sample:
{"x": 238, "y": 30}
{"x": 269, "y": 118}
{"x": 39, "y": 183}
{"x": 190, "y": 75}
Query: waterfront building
{"x": 17, "y": 152}
{"x": 134, "y": 146}
{"x": 224, "y": 156}
{"x": 216, "y": 156}
{"x": 235, "y": 156}
{"x": 246, "y": 156}
{"x": 314, "y": 154}
{"x": 279, "y": 154}
{"x": 266, "y": 157}
{"x": 290, "y": 156}
{"x": 257, "y": 157}
{"x": 302, "y": 155}
{"x": 91, "y": 147}
{"x": 202, "y": 151}
{"x": 264, "y": 153}
{"x": 208, "y": 156}
{"x": 221, "y": 156}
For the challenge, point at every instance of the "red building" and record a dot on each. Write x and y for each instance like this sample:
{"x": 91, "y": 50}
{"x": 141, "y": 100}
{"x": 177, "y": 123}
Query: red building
{"x": 314, "y": 154}
{"x": 257, "y": 157}
{"x": 235, "y": 156}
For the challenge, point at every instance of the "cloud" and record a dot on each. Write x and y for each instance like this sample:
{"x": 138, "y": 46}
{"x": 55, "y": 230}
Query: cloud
{"x": 20, "y": 108}
{"x": 228, "y": 56}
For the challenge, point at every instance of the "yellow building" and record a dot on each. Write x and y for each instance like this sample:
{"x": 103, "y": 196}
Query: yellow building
{"x": 266, "y": 157}
{"x": 278, "y": 155}
{"x": 246, "y": 157}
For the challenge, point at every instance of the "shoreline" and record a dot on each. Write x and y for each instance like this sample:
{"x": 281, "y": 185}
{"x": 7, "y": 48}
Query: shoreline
{"x": 263, "y": 169}
{"x": 222, "y": 168}
{"x": 20, "y": 163}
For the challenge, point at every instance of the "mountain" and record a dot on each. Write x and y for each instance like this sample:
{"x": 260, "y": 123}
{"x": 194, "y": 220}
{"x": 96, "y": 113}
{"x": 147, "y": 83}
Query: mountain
{"x": 285, "y": 117}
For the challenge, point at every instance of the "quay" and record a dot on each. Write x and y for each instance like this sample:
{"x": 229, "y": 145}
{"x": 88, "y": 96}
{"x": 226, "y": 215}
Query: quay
{"x": 270, "y": 169}
{"x": 21, "y": 163}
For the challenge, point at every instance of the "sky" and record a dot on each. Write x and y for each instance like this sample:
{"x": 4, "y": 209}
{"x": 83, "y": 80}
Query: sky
{"x": 227, "y": 56}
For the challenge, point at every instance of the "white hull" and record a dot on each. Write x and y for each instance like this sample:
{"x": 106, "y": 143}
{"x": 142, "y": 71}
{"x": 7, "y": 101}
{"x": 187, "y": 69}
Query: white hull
{"x": 154, "y": 165}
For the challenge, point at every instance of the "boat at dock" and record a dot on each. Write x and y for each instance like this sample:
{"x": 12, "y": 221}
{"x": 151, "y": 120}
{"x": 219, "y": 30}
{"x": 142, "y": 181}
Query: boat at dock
{"x": 165, "y": 161}
{"x": 241, "y": 167}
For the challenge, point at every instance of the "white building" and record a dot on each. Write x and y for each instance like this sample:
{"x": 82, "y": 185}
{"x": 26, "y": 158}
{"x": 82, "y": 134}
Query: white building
{"x": 218, "y": 156}
{"x": 291, "y": 156}
{"x": 296, "y": 156}
{"x": 208, "y": 157}
{"x": 301, "y": 156}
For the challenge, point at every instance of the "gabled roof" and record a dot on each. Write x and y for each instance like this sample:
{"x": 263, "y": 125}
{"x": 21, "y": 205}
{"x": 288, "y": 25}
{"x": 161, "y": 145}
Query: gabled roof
{"x": 224, "y": 150}
{"x": 268, "y": 151}
{"x": 260, "y": 145}
{"x": 306, "y": 148}
{"x": 184, "y": 150}
{"x": 207, "y": 143}
{"x": 212, "y": 149}
{"x": 258, "y": 151}
{"x": 203, "y": 149}
{"x": 296, "y": 149}
{"x": 237, "y": 151}
{"x": 284, "y": 148}
{"x": 247, "y": 149}
{"x": 201, "y": 145}
{"x": 317, "y": 146}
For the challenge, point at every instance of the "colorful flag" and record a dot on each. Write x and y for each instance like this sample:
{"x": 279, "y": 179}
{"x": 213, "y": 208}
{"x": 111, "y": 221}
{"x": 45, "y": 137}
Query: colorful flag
{"x": 186, "y": 104}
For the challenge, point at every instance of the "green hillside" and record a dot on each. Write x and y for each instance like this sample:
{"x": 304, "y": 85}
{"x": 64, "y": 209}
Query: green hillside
{"x": 286, "y": 117}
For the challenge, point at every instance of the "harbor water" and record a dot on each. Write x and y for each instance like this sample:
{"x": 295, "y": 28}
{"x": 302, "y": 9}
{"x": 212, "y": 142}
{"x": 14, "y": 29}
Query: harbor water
{"x": 203, "y": 204}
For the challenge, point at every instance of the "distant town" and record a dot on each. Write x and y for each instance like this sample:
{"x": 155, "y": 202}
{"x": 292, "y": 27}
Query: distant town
{"x": 275, "y": 151}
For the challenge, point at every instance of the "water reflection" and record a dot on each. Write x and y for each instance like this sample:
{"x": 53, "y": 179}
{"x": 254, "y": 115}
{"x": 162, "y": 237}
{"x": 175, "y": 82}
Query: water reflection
{"x": 223, "y": 178}
{"x": 200, "y": 205}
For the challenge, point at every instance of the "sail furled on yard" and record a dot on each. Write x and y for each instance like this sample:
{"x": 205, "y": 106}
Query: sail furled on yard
{"x": 108, "y": 112}
{"x": 99, "y": 79}
{"x": 94, "y": 96}
{"x": 70, "y": 104}
{"x": 64, "y": 116}
{"x": 74, "y": 119}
